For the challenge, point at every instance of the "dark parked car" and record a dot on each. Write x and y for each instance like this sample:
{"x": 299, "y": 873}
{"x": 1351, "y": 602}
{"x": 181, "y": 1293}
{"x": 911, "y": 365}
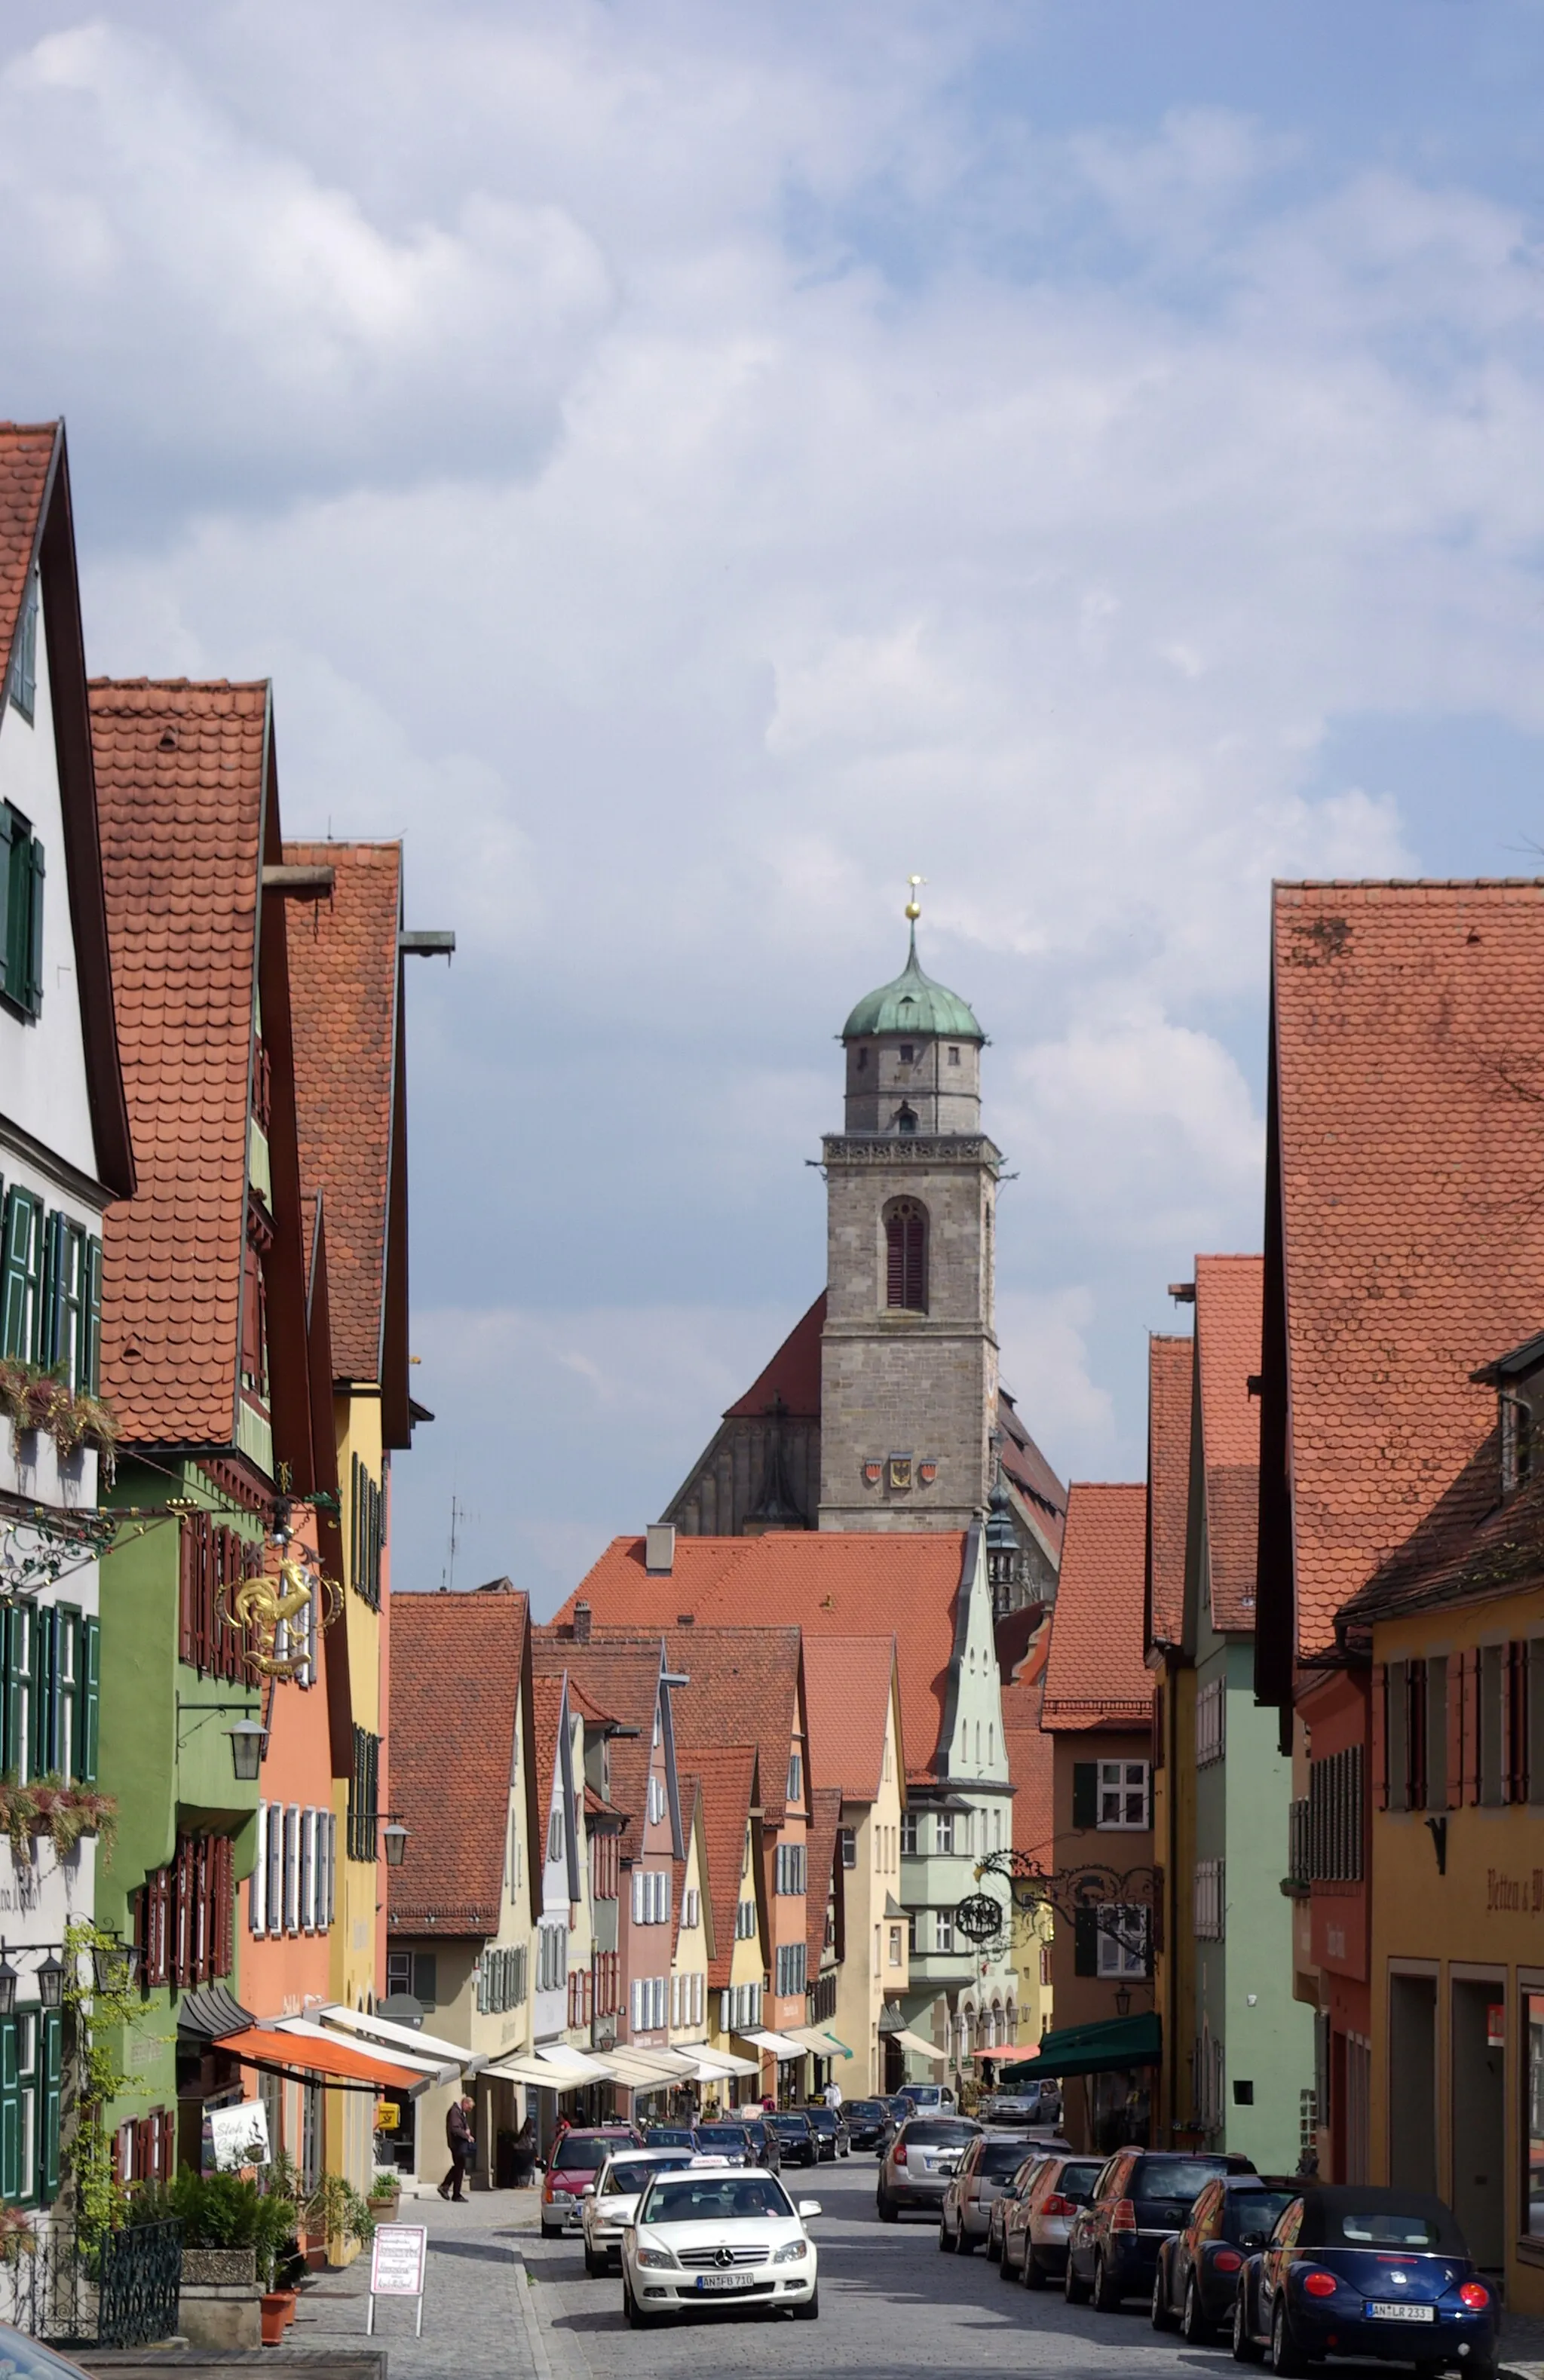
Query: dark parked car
{"x": 1354, "y": 2270}
{"x": 1141, "y": 2196}
{"x": 866, "y": 2120}
{"x": 796, "y": 2140}
{"x": 916, "y": 2168}
{"x": 726, "y": 2140}
{"x": 1197, "y": 2278}
{"x": 669, "y": 2136}
{"x": 765, "y": 2150}
{"x": 831, "y": 2135}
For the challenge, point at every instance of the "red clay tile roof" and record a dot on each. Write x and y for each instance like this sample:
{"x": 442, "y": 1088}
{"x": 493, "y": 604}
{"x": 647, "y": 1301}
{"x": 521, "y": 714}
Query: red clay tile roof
{"x": 1170, "y": 1393}
{"x": 456, "y": 1664}
{"x": 1409, "y": 1034}
{"x": 832, "y": 1583}
{"x": 1094, "y": 1674}
{"x": 793, "y": 1374}
{"x": 345, "y": 972}
{"x": 1029, "y": 1472}
{"x": 180, "y": 790}
{"x": 820, "y": 1837}
{"x": 1032, "y": 1754}
{"x": 1228, "y": 1296}
{"x": 26, "y": 460}
{"x": 622, "y": 1680}
{"x": 847, "y": 1694}
{"x": 727, "y": 1776}
{"x": 746, "y": 1687}
{"x": 547, "y": 1713}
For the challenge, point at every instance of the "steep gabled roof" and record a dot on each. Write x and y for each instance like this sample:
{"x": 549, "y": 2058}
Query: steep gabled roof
{"x": 1170, "y": 1394}
{"x": 1040, "y": 1492}
{"x": 1031, "y": 1755}
{"x": 37, "y": 529}
{"x": 1228, "y": 1291}
{"x": 622, "y": 1679}
{"x": 188, "y": 801}
{"x": 457, "y": 1662}
{"x": 728, "y": 1774}
{"x": 821, "y": 1869}
{"x": 849, "y": 1682}
{"x": 792, "y": 1378}
{"x": 345, "y": 971}
{"x": 1094, "y": 1673}
{"x": 831, "y": 1583}
{"x": 1405, "y": 1228}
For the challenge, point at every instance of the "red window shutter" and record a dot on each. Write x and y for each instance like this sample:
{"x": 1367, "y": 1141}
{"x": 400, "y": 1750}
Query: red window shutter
{"x": 203, "y": 1621}
{"x": 1456, "y": 1732}
{"x": 251, "y": 1315}
{"x": 168, "y": 2142}
{"x": 143, "y": 2136}
{"x": 1471, "y": 1727}
{"x": 1380, "y": 1736}
{"x": 119, "y": 2144}
{"x": 182, "y": 1927}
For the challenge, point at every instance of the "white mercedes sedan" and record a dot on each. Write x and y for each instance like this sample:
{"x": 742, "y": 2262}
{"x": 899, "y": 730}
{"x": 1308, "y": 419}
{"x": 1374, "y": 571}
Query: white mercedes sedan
{"x": 717, "y": 2237}
{"x": 612, "y": 2200}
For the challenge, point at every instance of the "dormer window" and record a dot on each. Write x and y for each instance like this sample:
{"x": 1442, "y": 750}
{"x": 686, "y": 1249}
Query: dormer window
{"x": 907, "y": 1053}
{"x": 1516, "y": 1420}
{"x": 22, "y": 685}
{"x": 907, "y": 1120}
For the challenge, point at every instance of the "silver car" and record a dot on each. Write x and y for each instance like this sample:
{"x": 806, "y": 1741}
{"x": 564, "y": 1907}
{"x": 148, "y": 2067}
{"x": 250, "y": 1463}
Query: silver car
{"x": 609, "y": 2203}
{"x": 917, "y": 2168}
{"x": 1035, "y": 2226}
{"x": 988, "y": 2168}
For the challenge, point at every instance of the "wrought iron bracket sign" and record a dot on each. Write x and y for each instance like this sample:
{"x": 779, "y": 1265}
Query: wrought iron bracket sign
{"x": 1120, "y": 1901}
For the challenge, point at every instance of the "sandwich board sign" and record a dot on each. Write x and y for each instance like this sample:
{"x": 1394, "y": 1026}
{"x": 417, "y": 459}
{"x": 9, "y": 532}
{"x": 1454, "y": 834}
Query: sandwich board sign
{"x": 397, "y": 2258}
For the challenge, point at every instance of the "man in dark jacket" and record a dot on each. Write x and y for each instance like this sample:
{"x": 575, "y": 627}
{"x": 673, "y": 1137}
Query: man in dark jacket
{"x": 462, "y": 2147}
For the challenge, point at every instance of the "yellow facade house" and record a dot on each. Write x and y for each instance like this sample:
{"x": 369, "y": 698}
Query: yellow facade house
{"x": 853, "y": 1692}
{"x": 694, "y": 1923}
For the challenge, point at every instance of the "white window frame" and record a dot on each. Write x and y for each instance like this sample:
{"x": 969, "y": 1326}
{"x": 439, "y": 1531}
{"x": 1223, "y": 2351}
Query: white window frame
{"x": 1116, "y": 1960}
{"x": 1125, "y": 1803}
{"x": 1210, "y": 1723}
{"x": 257, "y": 1890}
{"x": 307, "y": 1870}
{"x": 292, "y": 1868}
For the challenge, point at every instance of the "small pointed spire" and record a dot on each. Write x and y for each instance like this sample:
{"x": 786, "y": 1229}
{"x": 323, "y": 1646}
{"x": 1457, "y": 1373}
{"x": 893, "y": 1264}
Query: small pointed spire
{"x": 913, "y": 907}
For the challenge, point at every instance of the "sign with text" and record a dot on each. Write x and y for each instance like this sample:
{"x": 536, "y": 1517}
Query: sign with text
{"x": 397, "y": 2260}
{"x": 236, "y": 2136}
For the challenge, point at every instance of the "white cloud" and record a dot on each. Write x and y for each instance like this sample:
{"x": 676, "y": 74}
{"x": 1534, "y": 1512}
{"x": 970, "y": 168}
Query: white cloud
{"x": 1045, "y": 1364}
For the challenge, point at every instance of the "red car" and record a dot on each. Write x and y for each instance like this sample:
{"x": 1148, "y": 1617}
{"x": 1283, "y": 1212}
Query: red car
{"x": 574, "y": 2163}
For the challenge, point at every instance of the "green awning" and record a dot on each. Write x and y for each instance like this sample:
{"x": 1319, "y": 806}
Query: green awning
{"x": 1092, "y": 2049}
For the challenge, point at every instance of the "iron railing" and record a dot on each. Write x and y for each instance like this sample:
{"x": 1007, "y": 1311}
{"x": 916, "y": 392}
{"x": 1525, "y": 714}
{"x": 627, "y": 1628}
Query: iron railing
{"x": 122, "y": 2293}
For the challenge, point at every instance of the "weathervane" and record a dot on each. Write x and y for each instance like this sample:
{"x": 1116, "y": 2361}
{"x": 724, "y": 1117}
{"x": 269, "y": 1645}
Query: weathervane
{"x": 913, "y": 907}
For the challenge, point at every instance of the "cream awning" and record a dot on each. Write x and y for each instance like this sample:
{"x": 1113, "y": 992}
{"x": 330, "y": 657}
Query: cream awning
{"x": 401, "y": 2036}
{"x": 639, "y": 2069}
{"x": 433, "y": 2070}
{"x": 576, "y": 2064}
{"x": 718, "y": 2065}
{"x": 781, "y": 2045}
{"x": 815, "y": 2038}
{"x": 917, "y": 2046}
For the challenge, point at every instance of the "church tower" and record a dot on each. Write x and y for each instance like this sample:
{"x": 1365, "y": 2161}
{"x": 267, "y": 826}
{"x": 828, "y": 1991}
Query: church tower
{"x": 908, "y": 1350}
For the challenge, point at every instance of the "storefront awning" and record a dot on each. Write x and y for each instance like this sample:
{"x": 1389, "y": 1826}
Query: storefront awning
{"x": 781, "y": 2045}
{"x": 558, "y": 2069}
{"x": 433, "y": 2070}
{"x": 639, "y": 2069}
{"x": 916, "y": 2045}
{"x": 719, "y": 2065}
{"x": 815, "y": 2038}
{"x": 397, "y": 2036}
{"x": 1120, "y": 2042}
{"x": 302, "y": 2061}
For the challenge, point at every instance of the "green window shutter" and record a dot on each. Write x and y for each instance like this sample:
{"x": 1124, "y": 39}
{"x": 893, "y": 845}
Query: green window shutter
{"x": 50, "y": 2064}
{"x": 17, "y": 1324}
{"x": 7, "y": 837}
{"x": 44, "y": 1669}
{"x": 19, "y": 907}
{"x": 10, "y": 2114}
{"x": 1085, "y": 1794}
{"x": 13, "y": 1655}
{"x": 1085, "y": 1942}
{"x": 55, "y": 1286}
{"x": 90, "y": 1376}
{"x": 88, "y": 1691}
{"x": 32, "y": 992}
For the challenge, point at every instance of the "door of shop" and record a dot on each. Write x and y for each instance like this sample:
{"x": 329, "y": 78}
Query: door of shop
{"x": 1479, "y": 2117}
{"x": 1413, "y": 2082}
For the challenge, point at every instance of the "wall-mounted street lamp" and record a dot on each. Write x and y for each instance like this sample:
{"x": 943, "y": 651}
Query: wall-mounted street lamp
{"x": 393, "y": 1834}
{"x": 51, "y": 1981}
{"x": 249, "y": 1738}
{"x": 8, "y": 1981}
{"x": 114, "y": 1964}
{"x": 1123, "y": 2000}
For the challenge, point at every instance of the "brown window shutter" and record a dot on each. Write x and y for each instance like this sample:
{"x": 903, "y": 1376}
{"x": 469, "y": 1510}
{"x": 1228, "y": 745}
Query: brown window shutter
{"x": 1455, "y": 1731}
{"x": 168, "y": 2142}
{"x": 1472, "y": 1753}
{"x": 1514, "y": 1722}
{"x": 186, "y": 1573}
{"x": 1379, "y": 1737}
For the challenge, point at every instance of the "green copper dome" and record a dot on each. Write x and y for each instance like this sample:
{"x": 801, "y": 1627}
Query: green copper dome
{"x": 913, "y": 1003}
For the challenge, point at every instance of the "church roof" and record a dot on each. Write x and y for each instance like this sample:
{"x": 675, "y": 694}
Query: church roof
{"x": 791, "y": 1379}
{"x": 913, "y": 1003}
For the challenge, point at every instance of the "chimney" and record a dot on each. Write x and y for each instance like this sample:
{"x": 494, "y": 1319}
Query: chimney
{"x": 659, "y": 1548}
{"x": 580, "y": 1623}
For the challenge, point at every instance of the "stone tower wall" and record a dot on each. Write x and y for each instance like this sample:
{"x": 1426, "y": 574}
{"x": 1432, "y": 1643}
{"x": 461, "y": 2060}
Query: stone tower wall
{"x": 923, "y": 1385}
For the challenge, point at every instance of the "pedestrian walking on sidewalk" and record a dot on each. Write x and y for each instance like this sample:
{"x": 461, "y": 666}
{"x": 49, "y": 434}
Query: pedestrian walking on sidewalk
{"x": 462, "y": 2147}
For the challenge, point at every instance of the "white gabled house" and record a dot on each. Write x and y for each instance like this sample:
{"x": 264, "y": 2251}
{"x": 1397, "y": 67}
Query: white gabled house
{"x": 65, "y": 1157}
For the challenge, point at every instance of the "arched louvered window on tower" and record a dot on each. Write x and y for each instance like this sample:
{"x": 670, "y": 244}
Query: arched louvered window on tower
{"x": 906, "y": 1255}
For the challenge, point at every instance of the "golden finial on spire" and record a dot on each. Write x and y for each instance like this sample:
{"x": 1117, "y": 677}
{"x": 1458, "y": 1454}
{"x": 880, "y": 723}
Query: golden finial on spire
{"x": 913, "y": 907}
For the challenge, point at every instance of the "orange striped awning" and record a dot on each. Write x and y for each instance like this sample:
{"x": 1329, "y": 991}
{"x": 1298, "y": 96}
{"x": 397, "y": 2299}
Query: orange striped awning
{"x": 302, "y": 2055}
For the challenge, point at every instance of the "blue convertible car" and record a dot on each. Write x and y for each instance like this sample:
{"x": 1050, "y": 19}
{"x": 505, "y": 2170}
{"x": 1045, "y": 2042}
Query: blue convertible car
{"x": 1354, "y": 2270}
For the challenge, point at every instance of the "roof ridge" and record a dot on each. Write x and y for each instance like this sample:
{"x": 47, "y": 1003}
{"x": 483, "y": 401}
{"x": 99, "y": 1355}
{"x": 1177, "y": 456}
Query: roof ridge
{"x": 1404, "y": 883}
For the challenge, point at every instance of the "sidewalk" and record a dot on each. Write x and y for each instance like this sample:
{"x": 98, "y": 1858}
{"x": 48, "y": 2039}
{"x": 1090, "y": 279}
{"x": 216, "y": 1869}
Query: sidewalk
{"x": 479, "y": 2314}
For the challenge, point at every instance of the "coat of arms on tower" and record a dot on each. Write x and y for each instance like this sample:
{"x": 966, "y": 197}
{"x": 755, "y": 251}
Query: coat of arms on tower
{"x": 900, "y": 1471}
{"x": 928, "y": 1473}
{"x": 873, "y": 1474}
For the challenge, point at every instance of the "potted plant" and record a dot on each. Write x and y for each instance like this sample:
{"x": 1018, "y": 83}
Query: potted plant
{"x": 385, "y": 2197}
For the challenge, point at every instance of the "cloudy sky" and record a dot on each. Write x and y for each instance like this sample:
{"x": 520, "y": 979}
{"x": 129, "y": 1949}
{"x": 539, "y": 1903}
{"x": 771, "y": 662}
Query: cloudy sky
{"x": 686, "y": 464}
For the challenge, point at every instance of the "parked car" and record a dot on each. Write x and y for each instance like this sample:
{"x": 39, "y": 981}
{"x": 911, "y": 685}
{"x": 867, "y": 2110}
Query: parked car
{"x": 670, "y": 2136}
{"x": 27, "y": 2358}
{"x": 927, "y": 2097}
{"x": 916, "y": 2168}
{"x": 985, "y": 2170}
{"x": 1038, "y": 2103}
{"x": 1197, "y": 2278}
{"x": 732, "y": 2140}
{"x": 609, "y": 2204}
{"x": 575, "y": 2161}
{"x": 866, "y": 2120}
{"x": 1355, "y": 2270}
{"x": 795, "y": 2139}
{"x": 712, "y": 2237}
{"x": 765, "y": 2147}
{"x": 832, "y": 2138}
{"x": 1035, "y": 2223}
{"x": 1140, "y": 2197}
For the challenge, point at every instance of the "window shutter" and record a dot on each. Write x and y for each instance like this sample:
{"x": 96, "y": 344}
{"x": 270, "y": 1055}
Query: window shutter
{"x": 50, "y": 2092}
{"x": 1085, "y": 1794}
{"x": 1085, "y": 1942}
{"x": 273, "y": 1892}
{"x": 90, "y": 1344}
{"x": 1379, "y": 1737}
{"x": 11, "y": 2184}
{"x": 7, "y": 879}
{"x": 32, "y": 992}
{"x": 87, "y": 1689}
{"x": 292, "y": 1869}
{"x": 308, "y": 1871}
{"x": 1472, "y": 1749}
{"x": 38, "y": 1761}
{"x": 18, "y": 1275}
{"x": 257, "y": 1883}
{"x": 51, "y": 1306}
{"x": 1515, "y": 1761}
